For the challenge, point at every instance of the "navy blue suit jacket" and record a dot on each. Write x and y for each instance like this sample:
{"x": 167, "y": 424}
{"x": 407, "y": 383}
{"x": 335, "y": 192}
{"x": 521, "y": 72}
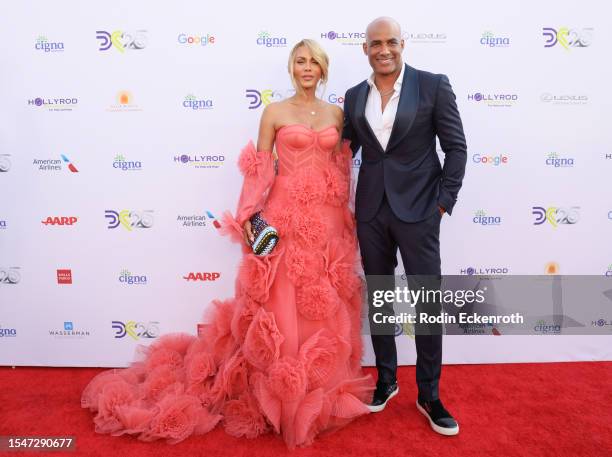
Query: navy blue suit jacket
{"x": 409, "y": 171}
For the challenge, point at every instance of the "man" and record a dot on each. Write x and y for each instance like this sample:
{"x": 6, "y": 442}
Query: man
{"x": 403, "y": 192}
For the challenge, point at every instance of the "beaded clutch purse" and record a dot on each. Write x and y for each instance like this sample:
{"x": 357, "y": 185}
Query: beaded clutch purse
{"x": 265, "y": 236}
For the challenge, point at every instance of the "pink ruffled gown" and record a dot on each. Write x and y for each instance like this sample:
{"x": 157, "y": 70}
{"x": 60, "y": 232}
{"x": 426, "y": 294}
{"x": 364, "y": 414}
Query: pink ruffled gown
{"x": 284, "y": 355}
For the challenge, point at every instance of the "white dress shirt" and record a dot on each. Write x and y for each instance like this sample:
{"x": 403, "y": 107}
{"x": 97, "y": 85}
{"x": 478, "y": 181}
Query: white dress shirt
{"x": 381, "y": 121}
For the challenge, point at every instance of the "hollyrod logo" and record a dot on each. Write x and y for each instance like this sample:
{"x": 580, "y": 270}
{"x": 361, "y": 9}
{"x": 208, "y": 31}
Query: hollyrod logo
{"x": 267, "y": 40}
{"x": 201, "y": 40}
{"x": 129, "y": 219}
{"x": 55, "y": 164}
{"x": 202, "y": 276}
{"x": 10, "y": 275}
{"x": 425, "y": 37}
{"x": 64, "y": 276}
{"x": 60, "y": 220}
{"x": 554, "y": 160}
{"x": 5, "y": 163}
{"x": 556, "y": 216}
{"x": 490, "y": 40}
{"x": 265, "y": 97}
{"x": 43, "y": 44}
{"x": 7, "y": 332}
{"x": 198, "y": 220}
{"x": 567, "y": 38}
{"x": 345, "y": 38}
{"x": 495, "y": 161}
{"x": 125, "y": 277}
{"x": 54, "y": 104}
{"x": 136, "y": 330}
{"x": 481, "y": 218}
{"x": 121, "y": 163}
{"x": 124, "y": 102}
{"x": 564, "y": 99}
{"x": 193, "y": 103}
{"x": 201, "y": 161}
{"x": 122, "y": 41}
{"x": 495, "y": 99}
{"x": 484, "y": 271}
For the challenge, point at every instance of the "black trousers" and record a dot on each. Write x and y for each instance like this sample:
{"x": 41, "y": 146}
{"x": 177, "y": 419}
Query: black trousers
{"x": 419, "y": 246}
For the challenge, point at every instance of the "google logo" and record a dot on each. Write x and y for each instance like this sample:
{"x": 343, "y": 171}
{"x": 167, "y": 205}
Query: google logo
{"x": 333, "y": 98}
{"x": 201, "y": 40}
{"x": 490, "y": 160}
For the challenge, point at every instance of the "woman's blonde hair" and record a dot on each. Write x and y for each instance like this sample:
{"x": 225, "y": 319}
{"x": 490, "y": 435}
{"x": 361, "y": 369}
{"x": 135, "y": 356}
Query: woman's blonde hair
{"x": 319, "y": 55}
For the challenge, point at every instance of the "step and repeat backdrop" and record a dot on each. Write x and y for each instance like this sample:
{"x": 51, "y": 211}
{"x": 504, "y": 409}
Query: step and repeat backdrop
{"x": 121, "y": 124}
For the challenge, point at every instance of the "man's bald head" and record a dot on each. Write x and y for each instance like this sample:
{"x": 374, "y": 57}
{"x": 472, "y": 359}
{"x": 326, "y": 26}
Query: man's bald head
{"x": 383, "y": 22}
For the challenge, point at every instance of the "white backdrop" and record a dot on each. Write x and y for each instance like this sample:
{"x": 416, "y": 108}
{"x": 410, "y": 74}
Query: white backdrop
{"x": 97, "y": 117}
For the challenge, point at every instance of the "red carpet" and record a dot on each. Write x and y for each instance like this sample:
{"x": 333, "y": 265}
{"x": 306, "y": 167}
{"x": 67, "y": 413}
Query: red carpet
{"x": 556, "y": 409}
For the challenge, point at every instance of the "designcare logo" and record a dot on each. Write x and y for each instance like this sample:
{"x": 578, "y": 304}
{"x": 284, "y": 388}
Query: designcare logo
{"x": 258, "y": 98}
{"x": 557, "y": 161}
{"x": 567, "y": 38}
{"x": 64, "y": 276}
{"x": 55, "y": 164}
{"x": 267, "y": 40}
{"x": 198, "y": 220}
{"x": 345, "y": 38}
{"x": 55, "y": 104}
{"x": 202, "y": 276}
{"x": 136, "y": 330}
{"x": 125, "y": 277}
{"x": 43, "y": 44}
{"x": 193, "y": 103}
{"x": 556, "y": 216}
{"x": 121, "y": 40}
{"x": 60, "y": 220}
{"x": 196, "y": 40}
{"x": 491, "y": 40}
{"x": 201, "y": 161}
{"x": 481, "y": 218}
{"x": 121, "y": 163}
{"x": 10, "y": 275}
{"x": 500, "y": 99}
{"x": 493, "y": 160}
{"x": 129, "y": 219}
{"x": 5, "y": 163}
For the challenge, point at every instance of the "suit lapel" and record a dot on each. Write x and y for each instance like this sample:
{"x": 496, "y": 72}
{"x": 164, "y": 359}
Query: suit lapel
{"x": 407, "y": 107}
{"x": 359, "y": 115}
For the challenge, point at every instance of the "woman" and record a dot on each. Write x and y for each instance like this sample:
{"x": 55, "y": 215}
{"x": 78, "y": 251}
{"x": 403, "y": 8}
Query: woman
{"x": 284, "y": 355}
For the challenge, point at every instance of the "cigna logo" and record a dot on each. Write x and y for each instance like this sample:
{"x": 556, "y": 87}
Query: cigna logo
{"x": 567, "y": 38}
{"x": 266, "y": 39}
{"x": 121, "y": 40}
{"x": 7, "y": 332}
{"x": 10, "y": 275}
{"x": 129, "y": 219}
{"x": 121, "y": 163}
{"x": 196, "y": 40}
{"x": 125, "y": 277}
{"x": 60, "y": 220}
{"x": 193, "y": 103}
{"x": 555, "y": 215}
{"x": 43, "y": 44}
{"x": 265, "y": 97}
{"x": 556, "y": 161}
{"x": 490, "y": 40}
{"x": 494, "y": 160}
{"x": 544, "y": 327}
{"x": 202, "y": 276}
{"x": 481, "y": 218}
{"x": 136, "y": 330}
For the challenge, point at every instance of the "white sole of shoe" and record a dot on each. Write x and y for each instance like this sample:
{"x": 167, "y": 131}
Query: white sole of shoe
{"x": 436, "y": 428}
{"x": 379, "y": 408}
